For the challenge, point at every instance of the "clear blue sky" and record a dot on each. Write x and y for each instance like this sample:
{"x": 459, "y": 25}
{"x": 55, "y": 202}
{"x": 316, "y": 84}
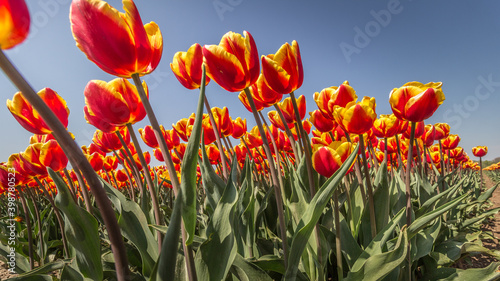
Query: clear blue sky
{"x": 375, "y": 45}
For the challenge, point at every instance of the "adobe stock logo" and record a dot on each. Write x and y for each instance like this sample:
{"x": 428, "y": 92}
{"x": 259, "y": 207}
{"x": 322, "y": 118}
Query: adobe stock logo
{"x": 486, "y": 86}
{"x": 363, "y": 37}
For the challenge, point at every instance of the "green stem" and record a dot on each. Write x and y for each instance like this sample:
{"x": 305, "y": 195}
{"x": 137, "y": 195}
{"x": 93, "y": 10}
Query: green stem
{"x": 289, "y": 134}
{"x": 338, "y": 245}
{"x": 277, "y": 190}
{"x": 188, "y": 253}
{"x": 149, "y": 182}
{"x": 28, "y": 227}
{"x": 77, "y": 160}
{"x": 369, "y": 190}
{"x": 217, "y": 134}
{"x": 408, "y": 190}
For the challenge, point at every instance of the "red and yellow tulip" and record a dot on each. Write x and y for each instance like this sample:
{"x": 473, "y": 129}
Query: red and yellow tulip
{"x": 356, "y": 117}
{"x": 283, "y": 70}
{"x": 116, "y": 102}
{"x": 234, "y": 63}
{"x": 116, "y": 42}
{"x": 330, "y": 97}
{"x": 29, "y": 118}
{"x": 14, "y": 23}
{"x": 328, "y": 159}
{"x": 480, "y": 151}
{"x": 415, "y": 101}
{"x": 187, "y": 67}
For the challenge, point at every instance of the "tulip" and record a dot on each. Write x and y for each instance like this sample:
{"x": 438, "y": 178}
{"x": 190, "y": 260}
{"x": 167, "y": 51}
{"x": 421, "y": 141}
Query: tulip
{"x": 239, "y": 127}
{"x": 451, "y": 142}
{"x": 15, "y": 23}
{"x": 234, "y": 63}
{"x": 283, "y": 70}
{"x": 107, "y": 142}
{"x": 328, "y": 98}
{"x": 442, "y": 131}
{"x": 356, "y": 118}
{"x": 286, "y": 107}
{"x": 187, "y": 67}
{"x": 29, "y": 118}
{"x": 480, "y": 151}
{"x": 116, "y": 102}
{"x": 429, "y": 135}
{"x": 419, "y": 130}
{"x": 320, "y": 122}
{"x": 415, "y": 101}
{"x": 386, "y": 126}
{"x": 52, "y": 156}
{"x": 328, "y": 159}
{"x": 263, "y": 94}
{"x": 116, "y": 42}
{"x": 96, "y": 160}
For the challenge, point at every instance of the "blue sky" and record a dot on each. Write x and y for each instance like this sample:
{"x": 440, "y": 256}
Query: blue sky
{"x": 375, "y": 45}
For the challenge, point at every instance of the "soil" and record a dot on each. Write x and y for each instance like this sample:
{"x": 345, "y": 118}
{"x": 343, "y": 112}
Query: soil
{"x": 492, "y": 226}
{"x": 4, "y": 273}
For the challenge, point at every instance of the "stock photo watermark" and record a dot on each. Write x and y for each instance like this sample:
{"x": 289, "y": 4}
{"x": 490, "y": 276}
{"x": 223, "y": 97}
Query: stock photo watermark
{"x": 363, "y": 35}
{"x": 223, "y": 6}
{"x": 484, "y": 89}
{"x": 11, "y": 214}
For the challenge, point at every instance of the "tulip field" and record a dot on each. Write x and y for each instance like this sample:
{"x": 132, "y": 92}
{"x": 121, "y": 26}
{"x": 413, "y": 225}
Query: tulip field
{"x": 328, "y": 191}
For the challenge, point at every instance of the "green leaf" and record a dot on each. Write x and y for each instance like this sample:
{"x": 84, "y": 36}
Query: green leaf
{"x": 377, "y": 266}
{"x": 271, "y": 263}
{"x": 134, "y": 227}
{"x": 422, "y": 221}
{"x": 453, "y": 274}
{"x": 425, "y": 240}
{"x": 215, "y": 256}
{"x": 81, "y": 231}
{"x": 212, "y": 183}
{"x": 428, "y": 204}
{"x": 247, "y": 271}
{"x": 188, "y": 170}
{"x": 165, "y": 268}
{"x": 46, "y": 268}
{"x": 479, "y": 218}
{"x": 312, "y": 215}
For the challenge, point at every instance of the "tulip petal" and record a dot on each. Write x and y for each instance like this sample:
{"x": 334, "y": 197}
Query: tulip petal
{"x": 224, "y": 68}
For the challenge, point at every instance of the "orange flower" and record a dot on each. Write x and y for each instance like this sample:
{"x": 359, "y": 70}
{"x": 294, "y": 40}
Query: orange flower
{"x": 451, "y": 142}
{"x": 328, "y": 98}
{"x": 29, "y": 118}
{"x": 14, "y": 23}
{"x": 108, "y": 142}
{"x": 328, "y": 159}
{"x": 286, "y": 107}
{"x": 239, "y": 127}
{"x": 208, "y": 131}
{"x": 244, "y": 100}
{"x": 98, "y": 122}
{"x": 182, "y": 127}
{"x": 356, "y": 118}
{"x": 415, "y": 101}
{"x": 52, "y": 155}
{"x": 222, "y": 120}
{"x": 276, "y": 120}
{"x": 283, "y": 70}
{"x": 480, "y": 151}
{"x": 116, "y": 102}
{"x": 429, "y": 135}
{"x": 320, "y": 122}
{"x": 96, "y": 160}
{"x": 121, "y": 176}
{"x": 116, "y": 42}
{"x": 386, "y": 126}
{"x": 110, "y": 163}
{"x": 148, "y": 136}
{"x": 419, "y": 130}
{"x": 442, "y": 131}
{"x": 234, "y": 63}
{"x": 187, "y": 67}
{"x": 262, "y": 94}
{"x": 253, "y": 138}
